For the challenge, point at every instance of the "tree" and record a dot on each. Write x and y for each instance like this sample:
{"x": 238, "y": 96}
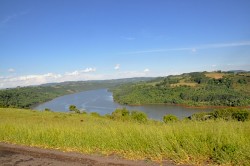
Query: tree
{"x": 74, "y": 108}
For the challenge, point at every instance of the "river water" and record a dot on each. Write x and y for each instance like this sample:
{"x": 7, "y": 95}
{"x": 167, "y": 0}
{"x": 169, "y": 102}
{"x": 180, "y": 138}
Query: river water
{"x": 101, "y": 101}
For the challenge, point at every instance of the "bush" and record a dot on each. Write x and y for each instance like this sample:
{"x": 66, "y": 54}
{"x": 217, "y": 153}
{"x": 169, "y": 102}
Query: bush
{"x": 241, "y": 115}
{"x": 47, "y": 109}
{"x": 170, "y": 118}
{"x": 225, "y": 114}
{"x": 96, "y": 114}
{"x": 138, "y": 116}
{"x": 120, "y": 114}
{"x": 74, "y": 108}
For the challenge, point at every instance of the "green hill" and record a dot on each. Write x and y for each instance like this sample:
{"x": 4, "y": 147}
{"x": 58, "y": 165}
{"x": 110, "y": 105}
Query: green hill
{"x": 194, "y": 89}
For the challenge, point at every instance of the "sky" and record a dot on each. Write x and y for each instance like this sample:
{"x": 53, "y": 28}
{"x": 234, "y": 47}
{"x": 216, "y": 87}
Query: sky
{"x": 46, "y": 41}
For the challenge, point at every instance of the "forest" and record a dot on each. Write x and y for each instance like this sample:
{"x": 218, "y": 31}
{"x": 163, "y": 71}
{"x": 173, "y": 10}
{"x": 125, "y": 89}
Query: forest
{"x": 193, "y": 89}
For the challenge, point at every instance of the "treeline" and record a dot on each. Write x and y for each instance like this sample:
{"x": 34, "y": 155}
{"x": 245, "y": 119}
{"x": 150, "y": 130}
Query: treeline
{"x": 230, "y": 90}
{"x": 26, "y": 97}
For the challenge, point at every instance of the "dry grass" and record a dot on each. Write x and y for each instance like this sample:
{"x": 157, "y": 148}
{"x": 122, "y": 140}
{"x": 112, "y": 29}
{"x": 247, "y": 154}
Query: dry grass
{"x": 183, "y": 83}
{"x": 215, "y": 75}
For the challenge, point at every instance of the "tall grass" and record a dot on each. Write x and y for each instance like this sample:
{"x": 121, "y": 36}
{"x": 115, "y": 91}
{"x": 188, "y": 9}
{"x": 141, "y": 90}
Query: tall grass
{"x": 190, "y": 142}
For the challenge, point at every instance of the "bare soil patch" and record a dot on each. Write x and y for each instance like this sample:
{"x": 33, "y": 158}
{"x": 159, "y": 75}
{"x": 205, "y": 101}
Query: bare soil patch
{"x": 23, "y": 156}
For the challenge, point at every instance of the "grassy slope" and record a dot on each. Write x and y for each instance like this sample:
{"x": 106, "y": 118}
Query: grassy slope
{"x": 216, "y": 142}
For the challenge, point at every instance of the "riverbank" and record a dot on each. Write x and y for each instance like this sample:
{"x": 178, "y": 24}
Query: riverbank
{"x": 183, "y": 142}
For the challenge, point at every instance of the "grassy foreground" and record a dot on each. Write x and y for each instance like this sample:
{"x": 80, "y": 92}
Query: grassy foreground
{"x": 190, "y": 142}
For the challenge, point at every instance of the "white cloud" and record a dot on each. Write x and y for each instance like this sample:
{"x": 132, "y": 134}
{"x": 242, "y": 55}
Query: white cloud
{"x": 87, "y": 70}
{"x": 146, "y": 70}
{"x": 78, "y": 75}
{"x": 117, "y": 67}
{"x": 78, "y": 72}
{"x": 11, "y": 70}
{"x": 26, "y": 80}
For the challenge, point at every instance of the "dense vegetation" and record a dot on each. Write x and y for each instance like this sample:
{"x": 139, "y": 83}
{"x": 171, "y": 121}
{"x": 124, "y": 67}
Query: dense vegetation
{"x": 196, "y": 89}
{"x": 26, "y": 97}
{"x": 216, "y": 141}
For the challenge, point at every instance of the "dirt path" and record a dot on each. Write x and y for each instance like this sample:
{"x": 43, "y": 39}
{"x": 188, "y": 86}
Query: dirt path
{"x": 16, "y": 155}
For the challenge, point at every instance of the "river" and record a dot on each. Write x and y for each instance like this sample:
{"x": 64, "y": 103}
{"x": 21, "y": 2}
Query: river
{"x": 101, "y": 101}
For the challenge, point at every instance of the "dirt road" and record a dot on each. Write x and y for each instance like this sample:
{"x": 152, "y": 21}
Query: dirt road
{"x": 17, "y": 155}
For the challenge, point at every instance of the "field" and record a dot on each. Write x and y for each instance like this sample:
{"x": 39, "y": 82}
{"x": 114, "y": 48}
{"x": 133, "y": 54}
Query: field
{"x": 215, "y": 75}
{"x": 188, "y": 142}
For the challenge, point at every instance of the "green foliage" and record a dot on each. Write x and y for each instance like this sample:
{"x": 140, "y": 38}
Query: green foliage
{"x": 241, "y": 115}
{"x": 198, "y": 77}
{"x": 227, "y": 114}
{"x": 169, "y": 118}
{"x": 138, "y": 116}
{"x": 120, "y": 114}
{"x": 73, "y": 108}
{"x": 226, "y": 91}
{"x": 47, "y": 109}
{"x": 95, "y": 114}
{"x": 223, "y": 153}
{"x": 125, "y": 115}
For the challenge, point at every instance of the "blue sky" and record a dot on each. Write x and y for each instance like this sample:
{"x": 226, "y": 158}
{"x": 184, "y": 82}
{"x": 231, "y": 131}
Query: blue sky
{"x": 60, "y": 40}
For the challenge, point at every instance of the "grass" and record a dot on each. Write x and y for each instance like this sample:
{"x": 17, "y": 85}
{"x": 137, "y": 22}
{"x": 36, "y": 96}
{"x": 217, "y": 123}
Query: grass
{"x": 215, "y": 75}
{"x": 188, "y": 142}
{"x": 183, "y": 83}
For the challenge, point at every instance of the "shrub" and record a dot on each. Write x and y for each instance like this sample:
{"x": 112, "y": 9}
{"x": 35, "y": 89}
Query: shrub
{"x": 241, "y": 115}
{"x": 170, "y": 118}
{"x": 120, "y": 114}
{"x": 138, "y": 116}
{"x": 47, "y": 109}
{"x": 96, "y": 114}
{"x": 74, "y": 108}
{"x": 225, "y": 114}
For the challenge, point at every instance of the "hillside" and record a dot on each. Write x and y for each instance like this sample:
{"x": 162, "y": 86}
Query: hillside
{"x": 26, "y": 97}
{"x": 194, "y": 89}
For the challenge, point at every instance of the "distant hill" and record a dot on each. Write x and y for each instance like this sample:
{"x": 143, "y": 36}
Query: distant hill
{"x": 237, "y": 71}
{"x": 194, "y": 89}
{"x": 26, "y": 97}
